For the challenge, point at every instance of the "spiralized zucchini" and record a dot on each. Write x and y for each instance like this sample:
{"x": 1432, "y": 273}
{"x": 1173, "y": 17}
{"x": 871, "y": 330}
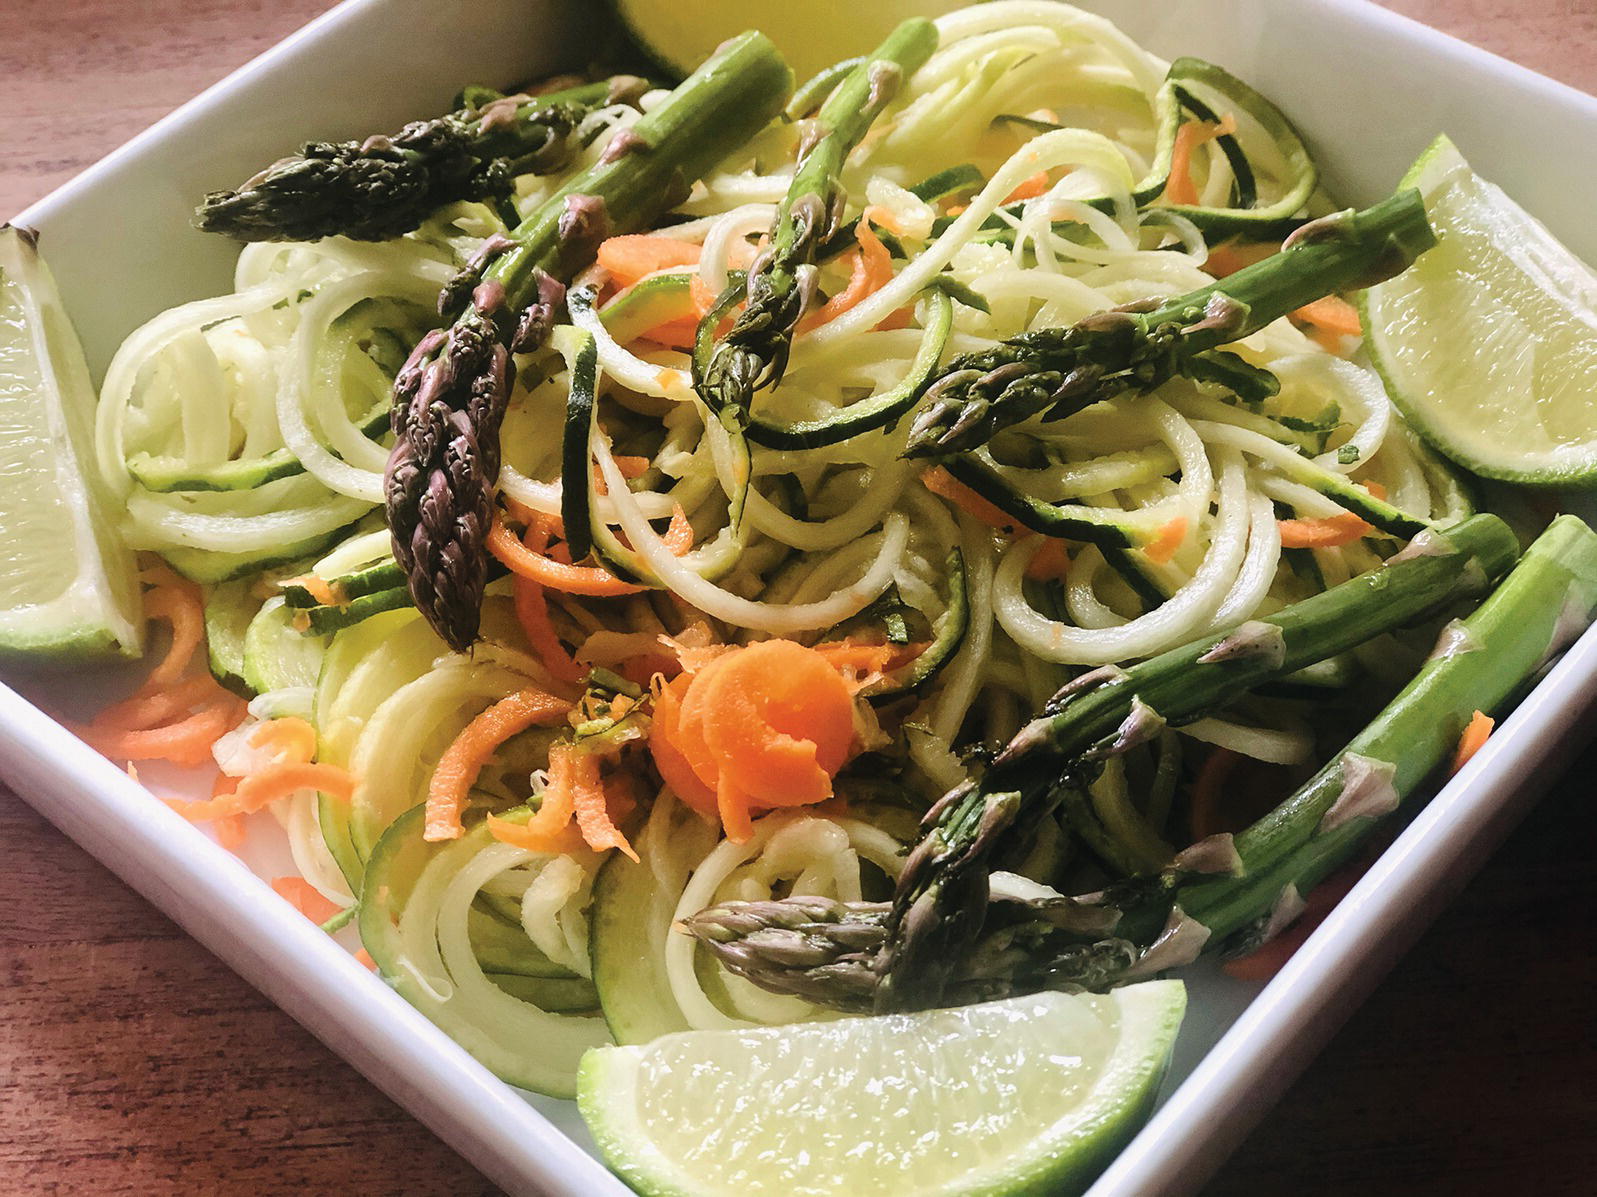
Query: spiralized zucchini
{"x": 1018, "y": 182}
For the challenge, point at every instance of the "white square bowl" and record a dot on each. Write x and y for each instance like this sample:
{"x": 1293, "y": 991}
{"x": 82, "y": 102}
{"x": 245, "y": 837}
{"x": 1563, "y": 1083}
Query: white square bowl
{"x": 1369, "y": 90}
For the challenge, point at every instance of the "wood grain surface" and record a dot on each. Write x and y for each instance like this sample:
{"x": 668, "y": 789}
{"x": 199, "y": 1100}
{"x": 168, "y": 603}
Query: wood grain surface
{"x": 131, "y": 1061}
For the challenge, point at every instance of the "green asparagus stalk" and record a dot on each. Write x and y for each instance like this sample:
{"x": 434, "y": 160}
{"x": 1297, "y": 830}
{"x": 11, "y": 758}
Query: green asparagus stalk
{"x": 1538, "y": 611}
{"x": 1224, "y": 892}
{"x": 450, "y": 397}
{"x": 781, "y": 284}
{"x": 1063, "y": 370}
{"x": 386, "y": 186}
{"x": 940, "y": 899}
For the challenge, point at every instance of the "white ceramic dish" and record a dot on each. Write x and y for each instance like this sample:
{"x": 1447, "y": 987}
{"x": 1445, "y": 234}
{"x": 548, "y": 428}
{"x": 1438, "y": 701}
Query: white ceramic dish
{"x": 1368, "y": 88}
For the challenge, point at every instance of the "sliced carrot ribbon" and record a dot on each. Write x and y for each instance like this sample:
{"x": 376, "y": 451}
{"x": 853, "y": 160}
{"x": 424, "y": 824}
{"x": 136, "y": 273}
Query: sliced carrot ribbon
{"x": 260, "y": 790}
{"x": 1328, "y": 533}
{"x": 532, "y": 612}
{"x": 1049, "y": 563}
{"x": 632, "y": 256}
{"x": 1163, "y": 546}
{"x": 305, "y": 898}
{"x": 591, "y": 580}
{"x": 464, "y": 758}
{"x": 1181, "y": 189}
{"x": 1028, "y": 188}
{"x": 945, "y": 486}
{"x": 871, "y": 269}
{"x": 1473, "y": 740}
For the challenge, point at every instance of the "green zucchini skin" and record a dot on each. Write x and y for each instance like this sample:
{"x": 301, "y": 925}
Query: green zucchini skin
{"x": 880, "y": 411}
{"x": 634, "y": 996}
{"x": 229, "y": 608}
{"x": 276, "y": 654}
{"x": 923, "y": 670}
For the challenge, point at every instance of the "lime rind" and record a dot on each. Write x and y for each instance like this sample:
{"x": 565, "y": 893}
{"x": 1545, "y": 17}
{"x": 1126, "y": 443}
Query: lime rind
{"x": 1065, "y": 1158}
{"x": 1497, "y": 364}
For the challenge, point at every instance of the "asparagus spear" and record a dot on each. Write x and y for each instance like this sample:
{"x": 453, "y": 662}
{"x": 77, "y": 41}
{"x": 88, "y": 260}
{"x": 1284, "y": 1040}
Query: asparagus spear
{"x": 1062, "y": 370}
{"x": 940, "y": 906}
{"x": 450, "y": 396}
{"x": 386, "y": 186}
{"x": 781, "y": 284}
{"x": 1221, "y": 892}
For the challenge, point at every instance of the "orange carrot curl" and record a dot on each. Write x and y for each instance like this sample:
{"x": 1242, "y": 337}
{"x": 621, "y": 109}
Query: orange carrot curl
{"x": 1473, "y": 740}
{"x": 464, "y": 758}
{"x": 763, "y": 726}
{"x": 1328, "y": 533}
{"x": 171, "y": 717}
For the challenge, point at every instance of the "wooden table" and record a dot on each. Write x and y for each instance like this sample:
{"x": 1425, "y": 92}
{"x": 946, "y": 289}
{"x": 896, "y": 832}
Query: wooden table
{"x": 132, "y": 1061}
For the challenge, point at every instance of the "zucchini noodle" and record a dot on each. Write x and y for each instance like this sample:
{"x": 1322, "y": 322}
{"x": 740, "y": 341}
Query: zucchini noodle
{"x": 1020, "y": 181}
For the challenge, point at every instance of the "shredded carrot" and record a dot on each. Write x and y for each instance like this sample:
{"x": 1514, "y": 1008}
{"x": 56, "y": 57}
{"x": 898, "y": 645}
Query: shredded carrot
{"x": 1050, "y": 562}
{"x": 592, "y": 802}
{"x": 1377, "y": 491}
{"x": 532, "y": 612}
{"x": 464, "y": 758}
{"x": 641, "y": 669}
{"x": 1205, "y": 817}
{"x": 305, "y": 898}
{"x": 230, "y": 832}
{"x": 260, "y": 790}
{"x": 1327, "y": 533}
{"x": 1265, "y": 961}
{"x": 147, "y": 708}
{"x": 573, "y": 579}
{"x": 858, "y": 657}
{"x": 871, "y": 269}
{"x": 902, "y": 318}
{"x": 590, "y": 580}
{"x": 550, "y": 828}
{"x": 1225, "y": 260}
{"x": 1181, "y": 189}
{"x": 1028, "y": 188}
{"x": 1333, "y": 314}
{"x": 630, "y": 467}
{"x": 1473, "y": 740}
{"x": 154, "y": 572}
{"x": 180, "y": 605}
{"x": 945, "y": 486}
{"x": 318, "y": 588}
{"x": 186, "y": 742}
{"x": 170, "y": 717}
{"x": 629, "y": 257}
{"x": 1163, "y": 546}
{"x": 366, "y": 960}
{"x": 294, "y": 738}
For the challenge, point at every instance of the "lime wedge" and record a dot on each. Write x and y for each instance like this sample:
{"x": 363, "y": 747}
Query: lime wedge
{"x": 811, "y": 34}
{"x": 1488, "y": 343}
{"x": 1031, "y": 1094}
{"x": 68, "y": 589}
